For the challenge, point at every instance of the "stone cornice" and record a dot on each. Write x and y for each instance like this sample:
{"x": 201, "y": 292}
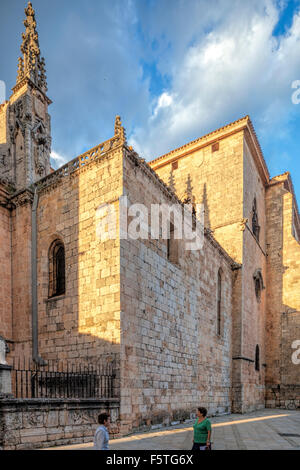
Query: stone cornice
{"x": 21, "y": 198}
{"x": 75, "y": 166}
{"x": 80, "y": 163}
{"x": 6, "y": 189}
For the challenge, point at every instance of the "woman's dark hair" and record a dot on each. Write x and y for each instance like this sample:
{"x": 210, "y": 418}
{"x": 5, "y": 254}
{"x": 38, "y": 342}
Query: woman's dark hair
{"x": 203, "y": 411}
{"x": 103, "y": 417}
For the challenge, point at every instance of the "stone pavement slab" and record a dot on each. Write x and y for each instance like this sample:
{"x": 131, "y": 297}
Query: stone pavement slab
{"x": 261, "y": 430}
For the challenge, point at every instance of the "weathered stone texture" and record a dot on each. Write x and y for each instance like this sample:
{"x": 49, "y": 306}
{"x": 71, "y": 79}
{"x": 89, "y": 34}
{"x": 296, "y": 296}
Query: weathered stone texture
{"x": 85, "y": 322}
{"x": 226, "y": 180}
{"x": 254, "y": 258}
{"x": 126, "y": 300}
{"x": 283, "y": 299}
{"x": 5, "y": 275}
{"x": 214, "y": 177}
{"x": 25, "y": 140}
{"x": 34, "y": 424}
{"x": 154, "y": 312}
{"x": 172, "y": 359}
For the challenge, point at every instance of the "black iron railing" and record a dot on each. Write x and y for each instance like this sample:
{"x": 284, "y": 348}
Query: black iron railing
{"x": 57, "y": 380}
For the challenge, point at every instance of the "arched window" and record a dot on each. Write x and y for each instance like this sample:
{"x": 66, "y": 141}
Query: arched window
{"x": 57, "y": 279}
{"x": 258, "y": 284}
{"x": 219, "y": 302}
{"x": 255, "y": 226}
{"x": 257, "y": 358}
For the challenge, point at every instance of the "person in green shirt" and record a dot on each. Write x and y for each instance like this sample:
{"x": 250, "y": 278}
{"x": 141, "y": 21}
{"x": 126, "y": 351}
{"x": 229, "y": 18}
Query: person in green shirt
{"x": 202, "y": 431}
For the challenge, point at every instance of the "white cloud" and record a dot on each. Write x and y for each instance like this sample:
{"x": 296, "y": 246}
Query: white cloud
{"x": 237, "y": 68}
{"x": 163, "y": 101}
{"x": 58, "y": 160}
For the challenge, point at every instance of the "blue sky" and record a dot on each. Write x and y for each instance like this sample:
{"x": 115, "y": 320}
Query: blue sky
{"x": 173, "y": 69}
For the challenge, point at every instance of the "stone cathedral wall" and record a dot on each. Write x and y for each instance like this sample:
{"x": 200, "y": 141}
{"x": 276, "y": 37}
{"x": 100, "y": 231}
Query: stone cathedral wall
{"x": 254, "y": 258}
{"x": 82, "y": 325}
{"x": 5, "y": 272}
{"x": 157, "y": 316}
{"x": 172, "y": 358}
{"x": 283, "y": 304}
{"x": 223, "y": 176}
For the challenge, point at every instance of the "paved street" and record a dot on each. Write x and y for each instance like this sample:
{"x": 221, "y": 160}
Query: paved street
{"x": 261, "y": 430}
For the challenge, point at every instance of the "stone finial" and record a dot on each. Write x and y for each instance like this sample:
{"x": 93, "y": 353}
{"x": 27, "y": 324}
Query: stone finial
{"x": 20, "y": 75}
{"x": 29, "y": 10}
{"x": 119, "y": 129}
{"x": 31, "y": 65}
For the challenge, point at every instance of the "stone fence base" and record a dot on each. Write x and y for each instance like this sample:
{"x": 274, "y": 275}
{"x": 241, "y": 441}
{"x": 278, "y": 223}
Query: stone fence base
{"x": 38, "y": 423}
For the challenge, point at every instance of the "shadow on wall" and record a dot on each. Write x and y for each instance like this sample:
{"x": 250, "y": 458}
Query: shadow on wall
{"x": 283, "y": 318}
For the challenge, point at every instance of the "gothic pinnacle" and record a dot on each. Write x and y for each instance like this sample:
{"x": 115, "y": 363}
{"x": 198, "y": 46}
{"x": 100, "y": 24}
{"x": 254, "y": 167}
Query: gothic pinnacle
{"x": 119, "y": 129}
{"x": 31, "y": 65}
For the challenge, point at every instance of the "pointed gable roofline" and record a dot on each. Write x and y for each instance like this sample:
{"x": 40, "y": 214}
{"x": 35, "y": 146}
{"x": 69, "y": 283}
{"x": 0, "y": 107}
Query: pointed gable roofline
{"x": 215, "y": 136}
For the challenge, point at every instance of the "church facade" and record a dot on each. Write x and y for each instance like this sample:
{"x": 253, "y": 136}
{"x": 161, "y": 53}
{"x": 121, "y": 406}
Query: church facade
{"x": 216, "y": 327}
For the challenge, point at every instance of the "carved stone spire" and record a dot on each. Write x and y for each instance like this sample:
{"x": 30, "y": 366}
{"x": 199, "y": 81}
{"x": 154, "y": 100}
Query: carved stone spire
{"x": 31, "y": 65}
{"x": 27, "y": 149}
{"x": 119, "y": 130}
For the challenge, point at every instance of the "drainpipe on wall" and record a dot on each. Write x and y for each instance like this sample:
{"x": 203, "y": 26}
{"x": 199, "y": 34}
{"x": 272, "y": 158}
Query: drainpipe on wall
{"x": 35, "y": 345}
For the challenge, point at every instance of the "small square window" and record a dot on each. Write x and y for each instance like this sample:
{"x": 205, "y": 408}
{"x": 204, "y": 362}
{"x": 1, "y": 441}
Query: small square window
{"x": 174, "y": 166}
{"x": 215, "y": 147}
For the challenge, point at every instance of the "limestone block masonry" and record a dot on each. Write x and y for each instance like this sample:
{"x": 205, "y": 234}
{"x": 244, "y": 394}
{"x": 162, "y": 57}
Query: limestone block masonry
{"x": 35, "y": 424}
{"x": 213, "y": 327}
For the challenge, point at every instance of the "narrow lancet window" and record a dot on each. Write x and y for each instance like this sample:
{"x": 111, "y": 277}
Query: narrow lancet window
{"x": 57, "y": 279}
{"x": 219, "y": 302}
{"x": 255, "y": 225}
{"x": 257, "y": 358}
